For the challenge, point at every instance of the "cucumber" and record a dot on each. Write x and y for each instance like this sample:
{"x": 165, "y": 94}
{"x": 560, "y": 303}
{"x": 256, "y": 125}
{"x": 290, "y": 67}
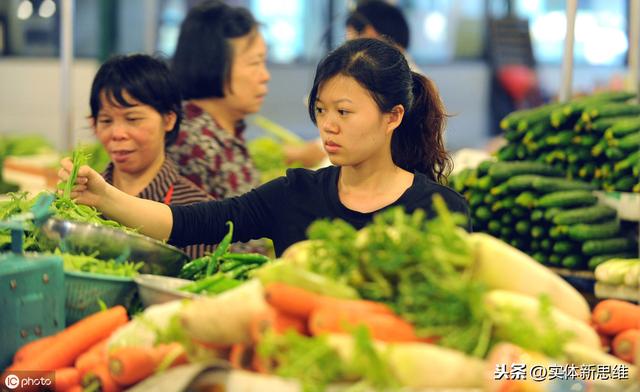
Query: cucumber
{"x": 614, "y": 153}
{"x": 605, "y": 123}
{"x": 501, "y": 171}
{"x": 609, "y": 245}
{"x": 546, "y": 244}
{"x": 547, "y": 185}
{"x": 571, "y": 261}
{"x": 484, "y": 183}
{"x": 597, "y": 260}
{"x": 623, "y": 127}
{"x": 506, "y": 232}
{"x": 584, "y": 231}
{"x": 567, "y": 199}
{"x": 483, "y": 213}
{"x": 523, "y": 227}
{"x": 590, "y": 214}
{"x": 563, "y": 247}
{"x": 537, "y": 215}
{"x": 555, "y": 259}
{"x": 587, "y": 171}
{"x": 550, "y": 213}
{"x": 556, "y": 156}
{"x": 535, "y": 133}
{"x": 537, "y": 232}
{"x": 625, "y": 184}
{"x": 518, "y": 243}
{"x": 561, "y": 138}
{"x": 629, "y": 142}
{"x": 494, "y": 227}
{"x": 540, "y": 257}
{"x": 534, "y": 245}
{"x": 627, "y": 162}
{"x": 612, "y": 110}
{"x": 506, "y": 219}
{"x": 579, "y": 154}
{"x": 507, "y": 153}
{"x": 483, "y": 167}
{"x": 489, "y": 199}
{"x": 557, "y": 232}
{"x": 526, "y": 199}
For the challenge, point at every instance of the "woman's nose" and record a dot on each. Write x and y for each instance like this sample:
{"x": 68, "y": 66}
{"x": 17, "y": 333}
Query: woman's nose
{"x": 119, "y": 131}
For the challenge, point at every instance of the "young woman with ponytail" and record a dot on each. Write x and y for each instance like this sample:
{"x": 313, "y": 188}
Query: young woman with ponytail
{"x": 382, "y": 127}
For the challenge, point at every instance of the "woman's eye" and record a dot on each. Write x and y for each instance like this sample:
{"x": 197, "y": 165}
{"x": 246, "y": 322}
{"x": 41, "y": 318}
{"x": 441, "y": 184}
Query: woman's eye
{"x": 104, "y": 121}
{"x": 319, "y": 110}
{"x": 133, "y": 119}
{"x": 343, "y": 112}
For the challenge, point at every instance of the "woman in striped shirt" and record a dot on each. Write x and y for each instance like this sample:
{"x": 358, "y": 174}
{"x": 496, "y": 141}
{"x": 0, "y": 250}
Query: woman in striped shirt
{"x": 135, "y": 113}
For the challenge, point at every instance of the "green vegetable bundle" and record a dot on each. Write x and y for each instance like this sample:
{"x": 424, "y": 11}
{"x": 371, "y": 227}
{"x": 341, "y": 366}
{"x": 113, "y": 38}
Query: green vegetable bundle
{"x": 595, "y": 139}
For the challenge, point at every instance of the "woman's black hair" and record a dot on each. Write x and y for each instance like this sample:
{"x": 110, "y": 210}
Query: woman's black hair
{"x": 380, "y": 68}
{"x": 203, "y": 56}
{"x": 146, "y": 79}
{"x": 387, "y": 19}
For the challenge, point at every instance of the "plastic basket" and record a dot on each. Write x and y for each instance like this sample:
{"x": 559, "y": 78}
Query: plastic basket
{"x": 83, "y": 290}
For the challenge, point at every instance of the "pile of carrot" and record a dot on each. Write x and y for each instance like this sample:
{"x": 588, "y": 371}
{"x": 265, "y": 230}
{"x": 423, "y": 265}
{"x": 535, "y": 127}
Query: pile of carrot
{"x": 79, "y": 358}
{"x": 618, "y": 323}
{"x": 310, "y": 314}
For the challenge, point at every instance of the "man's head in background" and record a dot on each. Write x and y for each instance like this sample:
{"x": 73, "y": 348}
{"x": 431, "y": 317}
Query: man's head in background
{"x": 376, "y": 18}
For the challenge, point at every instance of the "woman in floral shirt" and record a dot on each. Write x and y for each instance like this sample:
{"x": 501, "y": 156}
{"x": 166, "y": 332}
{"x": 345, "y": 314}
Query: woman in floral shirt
{"x": 220, "y": 64}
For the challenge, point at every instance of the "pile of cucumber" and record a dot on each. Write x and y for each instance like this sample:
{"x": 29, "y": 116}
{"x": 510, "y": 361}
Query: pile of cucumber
{"x": 531, "y": 206}
{"x": 595, "y": 139}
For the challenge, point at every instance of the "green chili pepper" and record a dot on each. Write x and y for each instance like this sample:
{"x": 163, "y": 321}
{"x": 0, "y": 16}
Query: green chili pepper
{"x": 246, "y": 258}
{"x": 222, "y": 248}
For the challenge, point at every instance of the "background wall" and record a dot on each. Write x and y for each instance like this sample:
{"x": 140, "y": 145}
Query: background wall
{"x": 30, "y": 97}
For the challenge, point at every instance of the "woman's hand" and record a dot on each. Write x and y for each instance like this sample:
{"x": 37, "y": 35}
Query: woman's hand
{"x": 90, "y": 187}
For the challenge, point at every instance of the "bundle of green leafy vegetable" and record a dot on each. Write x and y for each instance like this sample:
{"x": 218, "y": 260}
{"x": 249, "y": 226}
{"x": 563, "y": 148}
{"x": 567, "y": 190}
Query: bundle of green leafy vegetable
{"x": 14, "y": 145}
{"x": 89, "y": 263}
{"x": 422, "y": 269}
{"x": 268, "y": 157}
{"x": 316, "y": 364}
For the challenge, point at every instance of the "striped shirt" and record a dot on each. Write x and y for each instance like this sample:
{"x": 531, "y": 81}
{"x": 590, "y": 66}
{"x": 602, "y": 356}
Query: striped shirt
{"x": 171, "y": 188}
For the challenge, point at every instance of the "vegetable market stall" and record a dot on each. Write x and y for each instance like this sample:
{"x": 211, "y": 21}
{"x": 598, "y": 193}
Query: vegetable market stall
{"x": 403, "y": 303}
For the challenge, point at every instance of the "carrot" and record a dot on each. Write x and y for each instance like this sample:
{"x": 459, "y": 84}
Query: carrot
{"x": 276, "y": 321}
{"x": 66, "y": 378}
{"x": 625, "y": 343}
{"x": 128, "y": 365}
{"x": 99, "y": 378}
{"x": 131, "y": 364}
{"x": 169, "y": 354}
{"x": 93, "y": 356}
{"x": 385, "y": 327}
{"x": 301, "y": 303}
{"x": 75, "y": 340}
{"x": 612, "y": 316}
{"x": 75, "y": 388}
{"x": 32, "y": 348}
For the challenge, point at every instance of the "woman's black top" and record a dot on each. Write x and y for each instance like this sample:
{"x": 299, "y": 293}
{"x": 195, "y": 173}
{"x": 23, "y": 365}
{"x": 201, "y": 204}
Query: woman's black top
{"x": 283, "y": 209}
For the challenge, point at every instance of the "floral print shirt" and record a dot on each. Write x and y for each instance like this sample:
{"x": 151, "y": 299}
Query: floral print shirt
{"x": 211, "y": 157}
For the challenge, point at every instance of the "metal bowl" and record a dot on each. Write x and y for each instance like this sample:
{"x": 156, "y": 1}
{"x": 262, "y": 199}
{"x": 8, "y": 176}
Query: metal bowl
{"x": 156, "y": 289}
{"x": 77, "y": 237}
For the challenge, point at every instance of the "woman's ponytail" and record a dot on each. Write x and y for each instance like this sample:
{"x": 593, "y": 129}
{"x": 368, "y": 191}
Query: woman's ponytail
{"x": 418, "y": 144}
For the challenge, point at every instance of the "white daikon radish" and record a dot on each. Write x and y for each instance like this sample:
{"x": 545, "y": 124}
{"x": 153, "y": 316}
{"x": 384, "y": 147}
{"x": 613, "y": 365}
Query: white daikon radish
{"x": 422, "y": 365}
{"x": 224, "y": 319}
{"x": 499, "y": 301}
{"x": 501, "y": 266}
